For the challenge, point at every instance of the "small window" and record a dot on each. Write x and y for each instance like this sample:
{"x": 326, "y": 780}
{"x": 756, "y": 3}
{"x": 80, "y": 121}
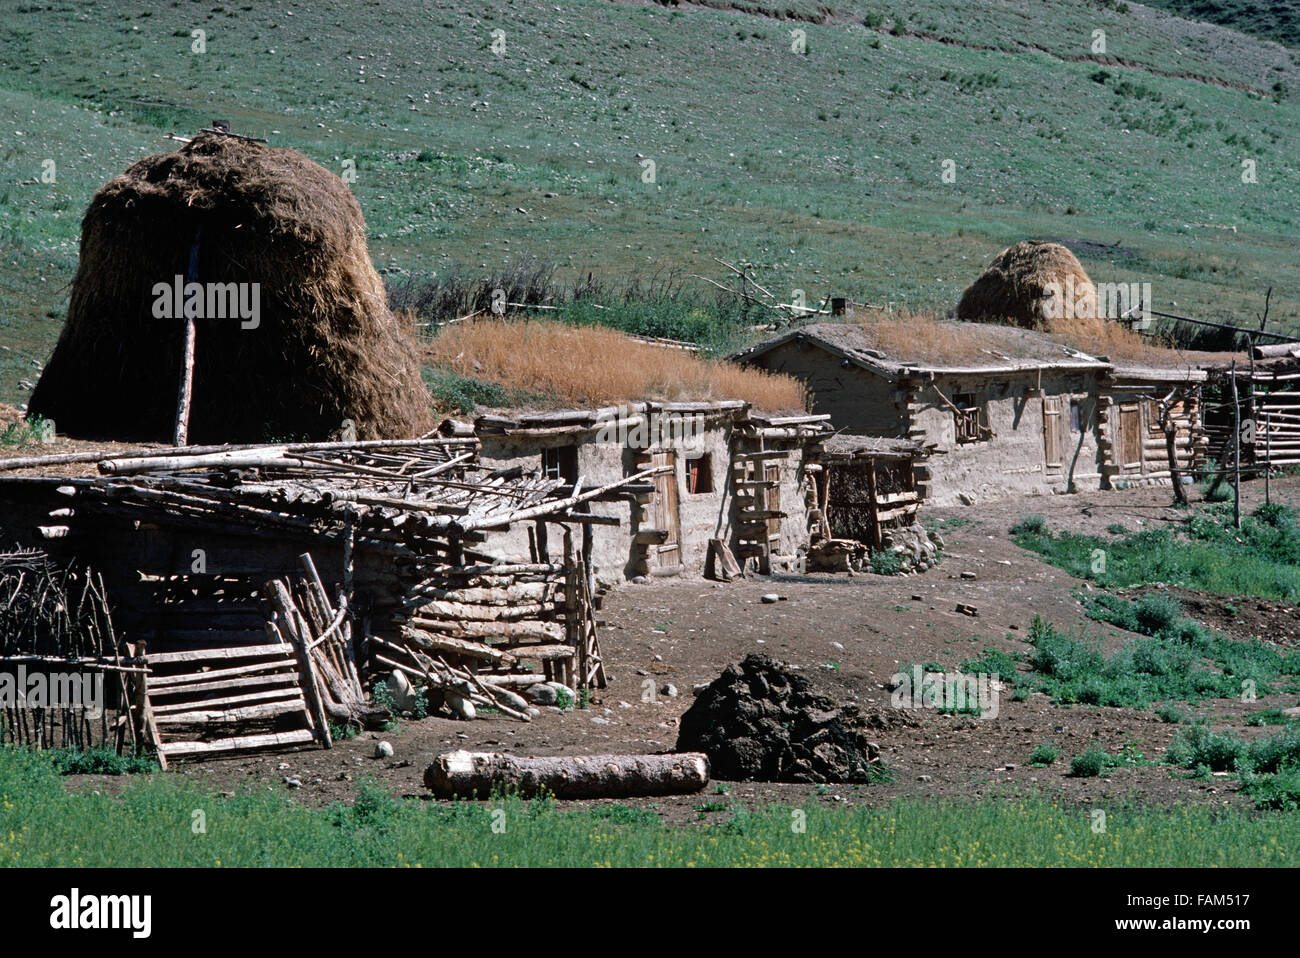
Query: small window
{"x": 560, "y": 463}
{"x": 970, "y": 419}
{"x": 1076, "y": 416}
{"x": 699, "y": 474}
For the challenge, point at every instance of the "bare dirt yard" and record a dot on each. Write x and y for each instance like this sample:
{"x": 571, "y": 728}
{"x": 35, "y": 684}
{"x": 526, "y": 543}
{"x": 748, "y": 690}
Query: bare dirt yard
{"x": 850, "y": 634}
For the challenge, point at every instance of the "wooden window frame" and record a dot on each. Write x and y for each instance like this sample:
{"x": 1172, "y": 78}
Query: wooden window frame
{"x": 560, "y": 462}
{"x": 699, "y": 471}
{"x": 970, "y": 420}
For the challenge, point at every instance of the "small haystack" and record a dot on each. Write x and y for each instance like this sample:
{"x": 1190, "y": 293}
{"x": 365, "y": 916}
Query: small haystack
{"x": 323, "y": 347}
{"x": 1032, "y": 284}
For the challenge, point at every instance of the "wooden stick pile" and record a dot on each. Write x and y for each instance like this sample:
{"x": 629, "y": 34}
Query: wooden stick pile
{"x": 55, "y": 624}
{"x": 386, "y": 536}
{"x": 302, "y": 616}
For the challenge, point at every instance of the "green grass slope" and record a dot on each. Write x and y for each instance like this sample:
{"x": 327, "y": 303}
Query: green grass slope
{"x": 823, "y": 168}
{"x": 1276, "y": 20}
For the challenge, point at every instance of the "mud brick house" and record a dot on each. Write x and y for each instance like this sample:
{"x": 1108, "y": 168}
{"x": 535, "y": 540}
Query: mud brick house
{"x": 1001, "y": 411}
{"x": 712, "y": 470}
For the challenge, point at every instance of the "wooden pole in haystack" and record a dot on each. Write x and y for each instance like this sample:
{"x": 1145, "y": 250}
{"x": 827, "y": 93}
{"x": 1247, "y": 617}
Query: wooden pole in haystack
{"x": 185, "y": 393}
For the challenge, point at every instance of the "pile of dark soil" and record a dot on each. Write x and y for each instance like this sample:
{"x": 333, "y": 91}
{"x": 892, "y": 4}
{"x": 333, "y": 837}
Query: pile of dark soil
{"x": 761, "y": 721}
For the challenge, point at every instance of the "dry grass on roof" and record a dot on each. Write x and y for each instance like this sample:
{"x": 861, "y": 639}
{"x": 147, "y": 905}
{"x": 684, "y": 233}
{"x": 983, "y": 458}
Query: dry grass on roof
{"x": 1120, "y": 344}
{"x": 930, "y": 340}
{"x": 927, "y": 338}
{"x": 594, "y": 366}
{"x": 923, "y": 337}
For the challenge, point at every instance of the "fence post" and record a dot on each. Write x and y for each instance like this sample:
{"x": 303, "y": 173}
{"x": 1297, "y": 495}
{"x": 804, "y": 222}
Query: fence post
{"x": 1236, "y": 445}
{"x": 1268, "y": 461}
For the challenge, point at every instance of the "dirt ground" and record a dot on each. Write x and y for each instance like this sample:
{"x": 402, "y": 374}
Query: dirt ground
{"x": 58, "y": 446}
{"x": 851, "y": 634}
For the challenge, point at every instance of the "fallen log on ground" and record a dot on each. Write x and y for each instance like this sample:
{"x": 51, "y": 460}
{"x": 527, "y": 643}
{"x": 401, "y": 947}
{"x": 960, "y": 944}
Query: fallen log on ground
{"x": 478, "y": 774}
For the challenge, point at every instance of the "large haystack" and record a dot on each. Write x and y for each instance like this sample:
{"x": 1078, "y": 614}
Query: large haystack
{"x": 325, "y": 349}
{"x": 1030, "y": 284}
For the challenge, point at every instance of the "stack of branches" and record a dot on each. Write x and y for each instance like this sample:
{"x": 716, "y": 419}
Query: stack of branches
{"x": 393, "y": 497}
{"x": 479, "y": 623}
{"x": 55, "y": 623}
{"x": 303, "y": 616}
{"x": 50, "y": 609}
{"x": 462, "y": 692}
{"x": 405, "y": 519}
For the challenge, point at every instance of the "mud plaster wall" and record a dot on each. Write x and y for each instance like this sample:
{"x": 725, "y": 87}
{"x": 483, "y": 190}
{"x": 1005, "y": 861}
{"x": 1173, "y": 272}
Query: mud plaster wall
{"x": 1013, "y": 461}
{"x": 598, "y": 464}
{"x": 858, "y": 401}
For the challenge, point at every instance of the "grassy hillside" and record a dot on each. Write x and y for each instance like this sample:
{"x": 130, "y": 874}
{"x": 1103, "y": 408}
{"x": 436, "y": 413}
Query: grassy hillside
{"x": 1277, "y": 20}
{"x": 822, "y": 168}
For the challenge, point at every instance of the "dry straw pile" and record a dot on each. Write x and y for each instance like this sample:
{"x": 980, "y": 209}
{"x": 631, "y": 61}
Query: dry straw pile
{"x": 593, "y": 366}
{"x": 1026, "y": 285}
{"x": 325, "y": 349}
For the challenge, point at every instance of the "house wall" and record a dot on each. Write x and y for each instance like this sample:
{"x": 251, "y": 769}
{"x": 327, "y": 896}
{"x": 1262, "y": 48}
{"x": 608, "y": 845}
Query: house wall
{"x": 598, "y": 464}
{"x": 1013, "y": 460}
{"x": 1151, "y": 464}
{"x": 858, "y": 401}
{"x": 701, "y": 516}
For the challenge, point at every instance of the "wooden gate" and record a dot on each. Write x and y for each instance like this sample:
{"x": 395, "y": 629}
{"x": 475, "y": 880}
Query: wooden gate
{"x": 666, "y": 513}
{"x": 1053, "y": 434}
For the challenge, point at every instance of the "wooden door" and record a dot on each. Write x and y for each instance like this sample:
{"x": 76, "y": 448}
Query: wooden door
{"x": 1129, "y": 444}
{"x": 1053, "y": 434}
{"x": 666, "y": 513}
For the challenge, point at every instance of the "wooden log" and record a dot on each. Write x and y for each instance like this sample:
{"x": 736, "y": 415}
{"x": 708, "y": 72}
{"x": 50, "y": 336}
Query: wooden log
{"x": 178, "y": 683}
{"x": 465, "y": 611}
{"x": 523, "y": 678}
{"x": 202, "y": 714}
{"x": 428, "y": 641}
{"x": 294, "y": 628}
{"x": 148, "y": 727}
{"x": 252, "y": 651}
{"x": 507, "y": 568}
{"x": 185, "y": 390}
{"x": 132, "y": 460}
{"x": 298, "y": 737}
{"x": 289, "y": 694}
{"x": 512, "y": 594}
{"x": 544, "y": 631}
{"x": 545, "y": 653}
{"x": 476, "y": 774}
{"x": 244, "y": 682}
{"x": 1276, "y": 349}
